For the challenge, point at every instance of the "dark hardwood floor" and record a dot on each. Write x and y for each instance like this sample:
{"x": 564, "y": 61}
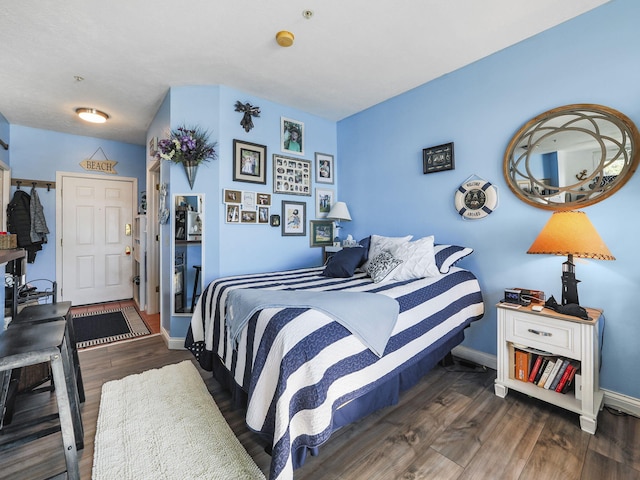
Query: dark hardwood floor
{"x": 449, "y": 426}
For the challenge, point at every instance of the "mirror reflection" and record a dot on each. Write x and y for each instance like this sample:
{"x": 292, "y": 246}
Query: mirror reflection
{"x": 188, "y": 232}
{"x": 572, "y": 156}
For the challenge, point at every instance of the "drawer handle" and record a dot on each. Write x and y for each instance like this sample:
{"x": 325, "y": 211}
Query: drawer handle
{"x": 538, "y": 332}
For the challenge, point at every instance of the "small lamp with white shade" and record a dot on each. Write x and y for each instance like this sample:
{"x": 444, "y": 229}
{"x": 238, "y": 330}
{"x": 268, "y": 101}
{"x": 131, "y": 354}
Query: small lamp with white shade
{"x": 339, "y": 213}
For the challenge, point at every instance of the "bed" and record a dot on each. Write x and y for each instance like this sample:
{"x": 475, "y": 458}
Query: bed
{"x": 301, "y": 374}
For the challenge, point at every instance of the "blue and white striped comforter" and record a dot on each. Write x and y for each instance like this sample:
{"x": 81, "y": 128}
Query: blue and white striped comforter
{"x": 299, "y": 365}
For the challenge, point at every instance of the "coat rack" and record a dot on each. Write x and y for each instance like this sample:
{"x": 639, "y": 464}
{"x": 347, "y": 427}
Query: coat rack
{"x": 19, "y": 182}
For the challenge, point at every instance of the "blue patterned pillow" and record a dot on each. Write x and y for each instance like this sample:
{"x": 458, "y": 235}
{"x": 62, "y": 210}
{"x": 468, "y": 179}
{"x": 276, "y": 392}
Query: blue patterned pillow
{"x": 382, "y": 266}
{"x": 343, "y": 264}
{"x": 448, "y": 255}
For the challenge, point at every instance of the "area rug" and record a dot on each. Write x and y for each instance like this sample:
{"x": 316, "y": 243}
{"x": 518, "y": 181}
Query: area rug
{"x": 108, "y": 326}
{"x": 164, "y": 424}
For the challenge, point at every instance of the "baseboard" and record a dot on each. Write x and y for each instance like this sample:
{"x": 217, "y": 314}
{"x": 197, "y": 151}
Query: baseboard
{"x": 615, "y": 400}
{"x": 624, "y": 403}
{"x": 476, "y": 356}
{"x": 173, "y": 343}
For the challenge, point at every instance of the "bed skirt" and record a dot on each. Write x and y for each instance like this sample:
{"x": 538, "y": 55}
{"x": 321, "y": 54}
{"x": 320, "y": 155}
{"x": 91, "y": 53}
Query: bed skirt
{"x": 387, "y": 394}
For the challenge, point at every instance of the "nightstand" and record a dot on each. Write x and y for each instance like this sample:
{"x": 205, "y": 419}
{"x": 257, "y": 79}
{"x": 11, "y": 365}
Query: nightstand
{"x": 559, "y": 336}
{"x": 328, "y": 252}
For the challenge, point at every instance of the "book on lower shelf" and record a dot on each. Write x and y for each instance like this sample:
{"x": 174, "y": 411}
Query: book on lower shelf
{"x": 544, "y": 369}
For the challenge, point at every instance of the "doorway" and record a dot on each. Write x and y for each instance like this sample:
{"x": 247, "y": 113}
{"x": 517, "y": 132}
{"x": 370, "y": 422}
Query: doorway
{"x": 94, "y": 237}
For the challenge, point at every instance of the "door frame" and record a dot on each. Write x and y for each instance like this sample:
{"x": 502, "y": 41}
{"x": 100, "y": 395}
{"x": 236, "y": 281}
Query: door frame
{"x": 153, "y": 234}
{"x": 59, "y": 208}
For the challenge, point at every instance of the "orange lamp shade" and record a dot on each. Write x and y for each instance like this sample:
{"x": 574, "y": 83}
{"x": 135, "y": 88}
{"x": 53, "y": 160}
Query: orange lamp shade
{"x": 570, "y": 233}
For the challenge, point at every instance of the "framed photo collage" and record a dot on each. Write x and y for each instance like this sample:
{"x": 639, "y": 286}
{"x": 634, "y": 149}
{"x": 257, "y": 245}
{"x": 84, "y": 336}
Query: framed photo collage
{"x": 292, "y": 175}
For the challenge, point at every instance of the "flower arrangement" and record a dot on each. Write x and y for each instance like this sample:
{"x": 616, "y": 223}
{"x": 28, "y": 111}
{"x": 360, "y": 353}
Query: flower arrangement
{"x": 187, "y": 146}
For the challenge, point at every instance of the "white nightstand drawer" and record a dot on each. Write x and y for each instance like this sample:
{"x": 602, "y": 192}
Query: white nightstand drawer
{"x": 545, "y": 333}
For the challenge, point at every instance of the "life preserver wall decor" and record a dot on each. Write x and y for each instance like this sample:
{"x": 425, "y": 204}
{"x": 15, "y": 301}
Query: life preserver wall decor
{"x": 476, "y": 198}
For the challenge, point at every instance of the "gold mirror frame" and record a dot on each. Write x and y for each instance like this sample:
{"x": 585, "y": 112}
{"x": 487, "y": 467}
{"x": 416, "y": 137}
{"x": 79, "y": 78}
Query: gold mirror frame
{"x": 572, "y": 156}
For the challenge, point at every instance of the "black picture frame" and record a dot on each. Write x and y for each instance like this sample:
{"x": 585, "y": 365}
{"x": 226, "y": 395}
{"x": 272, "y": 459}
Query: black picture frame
{"x": 321, "y": 233}
{"x": 294, "y": 219}
{"x": 249, "y": 162}
{"x": 438, "y": 158}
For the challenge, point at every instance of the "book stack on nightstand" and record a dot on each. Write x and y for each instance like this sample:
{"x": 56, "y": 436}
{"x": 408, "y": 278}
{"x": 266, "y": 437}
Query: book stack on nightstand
{"x": 545, "y": 370}
{"x": 537, "y": 351}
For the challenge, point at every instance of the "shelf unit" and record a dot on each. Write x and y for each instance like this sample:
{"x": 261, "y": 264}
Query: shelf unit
{"x": 559, "y": 335}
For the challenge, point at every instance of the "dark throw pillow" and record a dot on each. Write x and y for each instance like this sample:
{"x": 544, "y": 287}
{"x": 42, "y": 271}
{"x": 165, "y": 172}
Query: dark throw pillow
{"x": 343, "y": 264}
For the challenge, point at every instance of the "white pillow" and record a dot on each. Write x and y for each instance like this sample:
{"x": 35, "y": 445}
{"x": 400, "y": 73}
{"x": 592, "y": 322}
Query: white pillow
{"x": 418, "y": 259}
{"x": 382, "y": 266}
{"x": 379, "y": 244}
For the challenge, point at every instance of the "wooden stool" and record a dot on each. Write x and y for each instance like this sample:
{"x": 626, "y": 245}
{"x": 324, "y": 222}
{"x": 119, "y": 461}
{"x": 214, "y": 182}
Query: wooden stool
{"x": 48, "y": 312}
{"x": 35, "y": 343}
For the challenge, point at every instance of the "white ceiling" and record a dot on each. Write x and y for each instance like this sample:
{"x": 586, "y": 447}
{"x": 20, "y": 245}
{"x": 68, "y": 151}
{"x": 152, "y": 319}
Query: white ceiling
{"x": 350, "y": 55}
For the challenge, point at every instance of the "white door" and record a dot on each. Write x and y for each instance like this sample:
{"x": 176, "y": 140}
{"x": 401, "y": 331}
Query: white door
{"x": 96, "y": 240}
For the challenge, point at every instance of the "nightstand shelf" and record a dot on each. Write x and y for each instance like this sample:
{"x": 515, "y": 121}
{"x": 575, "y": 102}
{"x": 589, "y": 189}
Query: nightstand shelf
{"x": 559, "y": 335}
{"x": 328, "y": 252}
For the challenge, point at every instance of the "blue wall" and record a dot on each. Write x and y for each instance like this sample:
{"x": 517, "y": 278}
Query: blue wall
{"x": 260, "y": 247}
{"x": 235, "y": 248}
{"x": 38, "y": 154}
{"x": 594, "y": 58}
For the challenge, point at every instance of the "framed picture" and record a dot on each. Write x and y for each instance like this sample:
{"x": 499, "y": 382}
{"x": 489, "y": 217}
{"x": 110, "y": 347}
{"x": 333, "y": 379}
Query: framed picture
{"x": 249, "y": 162}
{"x": 274, "y": 220}
{"x": 232, "y": 196}
{"x": 294, "y": 218}
{"x": 248, "y": 216}
{"x": 248, "y": 200}
{"x": 324, "y": 168}
{"x": 263, "y": 215}
{"x": 291, "y": 175}
{"x": 291, "y": 136}
{"x": 264, "y": 199}
{"x": 438, "y": 159}
{"x": 324, "y": 202}
{"x": 153, "y": 146}
{"x": 321, "y": 233}
{"x": 233, "y": 214}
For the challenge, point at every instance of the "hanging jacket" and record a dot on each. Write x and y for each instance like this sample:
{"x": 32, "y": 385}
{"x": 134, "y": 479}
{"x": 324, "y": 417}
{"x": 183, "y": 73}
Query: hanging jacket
{"x": 39, "y": 228}
{"x": 19, "y": 222}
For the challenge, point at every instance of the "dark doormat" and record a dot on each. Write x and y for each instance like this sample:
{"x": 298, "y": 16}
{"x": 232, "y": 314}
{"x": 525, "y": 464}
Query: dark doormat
{"x": 108, "y": 326}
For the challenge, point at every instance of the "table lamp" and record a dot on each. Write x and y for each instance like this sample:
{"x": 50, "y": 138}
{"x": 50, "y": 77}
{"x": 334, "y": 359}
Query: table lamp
{"x": 339, "y": 212}
{"x": 570, "y": 233}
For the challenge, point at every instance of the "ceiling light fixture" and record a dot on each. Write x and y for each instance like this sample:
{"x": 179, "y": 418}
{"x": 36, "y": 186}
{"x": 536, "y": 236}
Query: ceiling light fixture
{"x": 92, "y": 115}
{"x": 284, "y": 38}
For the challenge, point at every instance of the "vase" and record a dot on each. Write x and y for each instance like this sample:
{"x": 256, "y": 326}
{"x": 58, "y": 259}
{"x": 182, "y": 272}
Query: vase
{"x": 190, "y": 168}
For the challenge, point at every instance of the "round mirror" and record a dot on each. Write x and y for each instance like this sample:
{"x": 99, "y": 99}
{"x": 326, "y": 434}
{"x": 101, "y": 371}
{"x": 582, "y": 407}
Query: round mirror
{"x": 572, "y": 156}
